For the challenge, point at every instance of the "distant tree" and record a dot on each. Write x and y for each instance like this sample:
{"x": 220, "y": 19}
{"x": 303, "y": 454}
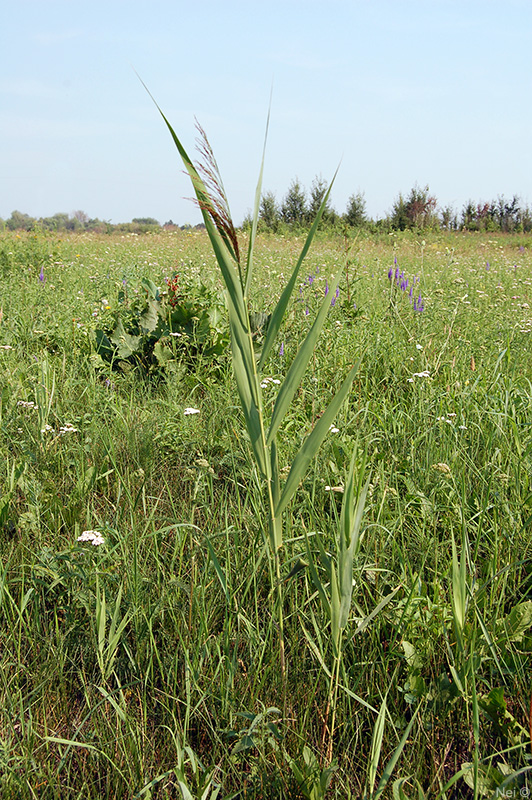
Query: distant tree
{"x": 145, "y": 221}
{"x": 507, "y": 213}
{"x": 269, "y": 212}
{"x": 318, "y": 190}
{"x": 20, "y": 222}
{"x": 448, "y": 218}
{"x": 416, "y": 211}
{"x": 468, "y": 218}
{"x": 355, "y": 214}
{"x": 81, "y": 217}
{"x": 399, "y": 218}
{"x": 294, "y": 206}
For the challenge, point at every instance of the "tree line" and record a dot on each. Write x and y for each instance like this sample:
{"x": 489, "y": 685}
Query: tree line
{"x": 416, "y": 210}
{"x": 79, "y": 221}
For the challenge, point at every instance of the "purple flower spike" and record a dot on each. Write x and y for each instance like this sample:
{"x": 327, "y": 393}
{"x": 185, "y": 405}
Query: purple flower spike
{"x": 395, "y": 260}
{"x": 41, "y": 275}
{"x": 307, "y": 312}
{"x": 281, "y": 349}
{"x": 326, "y": 288}
{"x": 390, "y": 273}
{"x": 487, "y": 266}
{"x": 310, "y": 280}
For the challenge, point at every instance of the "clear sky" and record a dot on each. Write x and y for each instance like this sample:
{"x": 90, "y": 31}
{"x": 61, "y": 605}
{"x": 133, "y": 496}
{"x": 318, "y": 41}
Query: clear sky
{"x": 398, "y": 92}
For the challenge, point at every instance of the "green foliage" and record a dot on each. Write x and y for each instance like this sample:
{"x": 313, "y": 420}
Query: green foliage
{"x": 434, "y": 680}
{"x": 355, "y": 214}
{"x": 294, "y": 208}
{"x": 153, "y": 333}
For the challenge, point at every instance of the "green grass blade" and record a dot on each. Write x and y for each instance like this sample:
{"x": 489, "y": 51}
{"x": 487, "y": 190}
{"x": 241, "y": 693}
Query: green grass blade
{"x": 390, "y": 766}
{"x": 280, "y": 308}
{"x": 313, "y": 441}
{"x": 352, "y": 520}
{"x": 299, "y": 364}
{"x": 256, "y": 209}
{"x": 376, "y": 746}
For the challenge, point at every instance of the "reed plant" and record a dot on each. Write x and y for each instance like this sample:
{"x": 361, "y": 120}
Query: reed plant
{"x": 249, "y": 363}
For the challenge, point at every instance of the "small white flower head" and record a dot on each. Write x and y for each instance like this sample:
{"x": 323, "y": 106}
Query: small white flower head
{"x": 419, "y": 347}
{"x": 27, "y": 404}
{"x": 424, "y": 374}
{"x": 5, "y": 347}
{"x": 94, "y": 537}
{"x": 47, "y": 429}
{"x": 67, "y": 428}
{"x": 333, "y": 429}
{"x": 189, "y": 411}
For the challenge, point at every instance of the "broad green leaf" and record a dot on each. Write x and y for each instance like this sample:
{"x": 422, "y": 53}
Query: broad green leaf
{"x": 247, "y": 389}
{"x": 280, "y": 308}
{"x": 126, "y": 344}
{"x": 519, "y": 620}
{"x": 299, "y": 364}
{"x": 313, "y": 441}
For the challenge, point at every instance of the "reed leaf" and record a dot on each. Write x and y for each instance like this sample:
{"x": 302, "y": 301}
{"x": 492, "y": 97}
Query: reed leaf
{"x": 313, "y": 441}
{"x": 279, "y": 310}
{"x": 255, "y": 217}
{"x": 299, "y": 364}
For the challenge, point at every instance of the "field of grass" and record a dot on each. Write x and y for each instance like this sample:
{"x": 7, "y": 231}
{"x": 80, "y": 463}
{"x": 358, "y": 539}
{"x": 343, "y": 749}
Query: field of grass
{"x": 148, "y": 666}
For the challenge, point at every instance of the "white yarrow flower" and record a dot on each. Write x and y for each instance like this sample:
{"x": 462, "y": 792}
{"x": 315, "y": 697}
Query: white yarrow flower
{"x": 188, "y": 411}
{"x": 94, "y": 537}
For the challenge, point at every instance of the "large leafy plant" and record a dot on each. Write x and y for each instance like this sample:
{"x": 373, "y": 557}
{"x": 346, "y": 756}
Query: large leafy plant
{"x": 155, "y": 330}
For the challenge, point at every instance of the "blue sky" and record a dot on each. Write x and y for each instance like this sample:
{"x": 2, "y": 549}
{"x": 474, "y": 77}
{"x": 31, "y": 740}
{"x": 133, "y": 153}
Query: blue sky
{"x": 397, "y": 92}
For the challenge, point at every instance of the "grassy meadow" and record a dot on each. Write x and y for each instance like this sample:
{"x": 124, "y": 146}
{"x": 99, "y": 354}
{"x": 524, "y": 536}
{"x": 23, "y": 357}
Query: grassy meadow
{"x": 148, "y": 665}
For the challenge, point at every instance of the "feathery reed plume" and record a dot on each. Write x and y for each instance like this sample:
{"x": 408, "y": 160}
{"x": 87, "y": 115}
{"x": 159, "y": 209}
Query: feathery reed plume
{"x": 215, "y": 202}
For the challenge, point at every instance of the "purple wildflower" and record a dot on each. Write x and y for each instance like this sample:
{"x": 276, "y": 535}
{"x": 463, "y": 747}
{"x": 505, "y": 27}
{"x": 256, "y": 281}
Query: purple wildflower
{"x": 281, "y": 349}
{"x": 326, "y": 288}
{"x": 390, "y": 273}
{"x": 307, "y": 312}
{"x": 487, "y": 266}
{"x": 41, "y": 275}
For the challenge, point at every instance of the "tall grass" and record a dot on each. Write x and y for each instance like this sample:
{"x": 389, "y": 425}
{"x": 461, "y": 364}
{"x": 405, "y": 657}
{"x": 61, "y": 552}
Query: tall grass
{"x": 149, "y": 665}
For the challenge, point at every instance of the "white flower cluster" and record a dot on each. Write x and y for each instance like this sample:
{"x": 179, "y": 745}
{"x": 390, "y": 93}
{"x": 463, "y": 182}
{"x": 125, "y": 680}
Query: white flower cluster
{"x": 27, "y": 404}
{"x": 266, "y": 381}
{"x": 67, "y": 428}
{"x": 94, "y": 537}
{"x": 189, "y": 411}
